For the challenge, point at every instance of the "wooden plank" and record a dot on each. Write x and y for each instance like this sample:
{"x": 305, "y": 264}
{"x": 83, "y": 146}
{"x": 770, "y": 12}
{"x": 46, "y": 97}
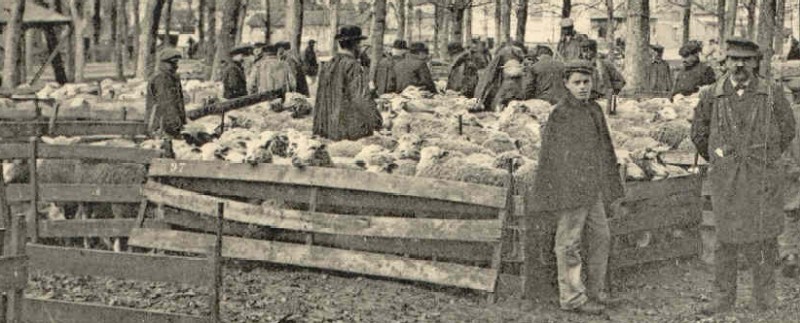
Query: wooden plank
{"x": 115, "y": 154}
{"x": 17, "y": 246}
{"x": 656, "y": 218}
{"x": 321, "y": 257}
{"x": 49, "y": 311}
{"x": 317, "y": 222}
{"x": 658, "y": 189}
{"x": 682, "y": 158}
{"x": 121, "y": 265}
{"x": 334, "y": 178}
{"x": 13, "y": 272}
{"x": 708, "y": 218}
{"x": 76, "y": 193}
{"x": 688, "y": 246}
{"x": 102, "y": 228}
{"x": 706, "y": 190}
{"x": 16, "y": 129}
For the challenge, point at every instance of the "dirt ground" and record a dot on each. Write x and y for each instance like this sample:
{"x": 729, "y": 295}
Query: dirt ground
{"x": 665, "y": 292}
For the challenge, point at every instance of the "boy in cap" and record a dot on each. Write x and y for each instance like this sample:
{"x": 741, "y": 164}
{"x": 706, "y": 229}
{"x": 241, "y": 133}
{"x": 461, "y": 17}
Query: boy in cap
{"x": 576, "y": 179}
{"x": 234, "y": 83}
{"x": 414, "y": 70}
{"x": 607, "y": 80}
{"x": 164, "y": 108}
{"x": 344, "y": 107}
{"x": 695, "y": 73}
{"x": 385, "y": 78}
{"x": 742, "y": 125}
{"x": 659, "y": 75}
{"x": 463, "y": 75}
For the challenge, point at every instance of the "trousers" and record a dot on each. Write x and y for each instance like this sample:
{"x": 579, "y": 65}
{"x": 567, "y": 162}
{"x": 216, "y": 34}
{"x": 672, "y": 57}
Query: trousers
{"x": 761, "y": 256}
{"x": 579, "y": 229}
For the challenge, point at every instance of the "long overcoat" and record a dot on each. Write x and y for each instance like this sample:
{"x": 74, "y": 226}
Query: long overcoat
{"x": 165, "y": 95}
{"x": 743, "y": 137}
{"x": 463, "y": 75}
{"x": 577, "y": 161}
{"x": 385, "y": 77}
{"x": 412, "y": 70}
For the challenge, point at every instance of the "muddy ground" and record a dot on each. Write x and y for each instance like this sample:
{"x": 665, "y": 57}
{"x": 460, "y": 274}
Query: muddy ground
{"x": 664, "y": 292}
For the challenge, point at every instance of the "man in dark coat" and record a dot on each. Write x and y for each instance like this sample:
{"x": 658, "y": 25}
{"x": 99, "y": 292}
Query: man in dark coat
{"x": 344, "y": 107}
{"x": 414, "y": 70}
{"x": 385, "y": 77}
{"x": 286, "y": 54}
{"x": 694, "y": 74}
{"x": 569, "y": 46}
{"x": 310, "y": 65}
{"x": 234, "y": 82}
{"x": 659, "y": 75}
{"x": 546, "y": 75}
{"x": 576, "y": 179}
{"x": 742, "y": 125}
{"x": 463, "y": 75}
{"x": 164, "y": 108}
{"x": 607, "y": 79}
{"x": 490, "y": 78}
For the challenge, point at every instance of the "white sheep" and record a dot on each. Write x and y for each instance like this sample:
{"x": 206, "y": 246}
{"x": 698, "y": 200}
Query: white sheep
{"x": 376, "y": 159}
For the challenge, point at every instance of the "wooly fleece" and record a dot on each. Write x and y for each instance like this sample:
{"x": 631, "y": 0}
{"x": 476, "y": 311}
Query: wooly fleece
{"x": 500, "y": 142}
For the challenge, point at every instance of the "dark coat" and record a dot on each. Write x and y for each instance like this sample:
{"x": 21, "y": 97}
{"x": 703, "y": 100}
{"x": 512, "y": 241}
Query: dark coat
{"x": 547, "y": 81}
{"x": 577, "y": 161}
{"x": 606, "y": 78}
{"x": 165, "y": 95}
{"x": 344, "y": 107}
{"x": 297, "y": 70}
{"x": 385, "y": 78}
{"x": 511, "y": 89}
{"x": 659, "y": 77}
{"x": 570, "y": 48}
{"x": 463, "y": 76}
{"x": 233, "y": 80}
{"x": 743, "y": 138}
{"x": 490, "y": 78}
{"x": 310, "y": 62}
{"x": 412, "y": 70}
{"x": 690, "y": 80}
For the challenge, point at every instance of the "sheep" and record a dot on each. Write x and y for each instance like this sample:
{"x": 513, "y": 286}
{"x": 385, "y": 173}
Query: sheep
{"x": 265, "y": 146}
{"x": 671, "y": 133}
{"x": 388, "y": 142}
{"x": 408, "y": 147}
{"x": 344, "y": 148}
{"x": 310, "y": 152}
{"x": 527, "y": 132}
{"x": 476, "y": 168}
{"x": 298, "y": 104}
{"x": 376, "y": 159}
{"x": 457, "y": 145}
{"x": 500, "y": 142}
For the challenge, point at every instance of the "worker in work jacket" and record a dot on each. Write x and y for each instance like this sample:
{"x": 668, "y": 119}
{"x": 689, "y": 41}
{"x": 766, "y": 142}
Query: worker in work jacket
{"x": 234, "y": 82}
{"x": 607, "y": 79}
{"x": 742, "y": 125}
{"x": 385, "y": 77}
{"x": 463, "y": 75}
{"x": 164, "y": 108}
{"x": 413, "y": 70}
{"x": 270, "y": 73}
{"x": 694, "y": 74}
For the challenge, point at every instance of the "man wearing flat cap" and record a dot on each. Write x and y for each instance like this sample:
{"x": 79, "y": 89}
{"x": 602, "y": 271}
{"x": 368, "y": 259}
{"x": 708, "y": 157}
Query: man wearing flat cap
{"x": 413, "y": 70}
{"x": 164, "y": 108}
{"x": 576, "y": 179}
{"x": 385, "y": 77}
{"x": 270, "y": 73}
{"x": 742, "y": 125}
{"x": 345, "y": 108}
{"x": 463, "y": 75}
{"x": 659, "y": 75}
{"x": 310, "y": 65}
{"x": 547, "y": 80}
{"x": 569, "y": 46}
{"x": 234, "y": 82}
{"x": 695, "y": 73}
{"x": 607, "y": 79}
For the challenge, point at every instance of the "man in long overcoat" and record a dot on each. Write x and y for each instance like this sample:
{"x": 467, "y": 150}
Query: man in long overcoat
{"x": 742, "y": 125}
{"x": 234, "y": 82}
{"x": 164, "y": 108}
{"x": 270, "y": 73}
{"x": 310, "y": 64}
{"x": 576, "y": 179}
{"x": 546, "y": 77}
{"x": 286, "y": 54}
{"x": 490, "y": 78}
{"x": 344, "y": 107}
{"x": 463, "y": 75}
{"x": 695, "y": 73}
{"x": 414, "y": 70}
{"x": 659, "y": 75}
{"x": 385, "y": 77}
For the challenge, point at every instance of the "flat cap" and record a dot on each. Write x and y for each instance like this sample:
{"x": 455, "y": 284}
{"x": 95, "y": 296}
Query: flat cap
{"x": 566, "y": 22}
{"x": 169, "y": 53}
{"x": 741, "y": 47}
{"x": 418, "y": 47}
{"x": 454, "y": 48}
{"x": 589, "y": 43}
{"x": 400, "y": 44}
{"x": 579, "y": 66}
{"x": 270, "y": 49}
{"x": 691, "y": 47}
{"x": 243, "y": 49}
{"x": 657, "y": 48}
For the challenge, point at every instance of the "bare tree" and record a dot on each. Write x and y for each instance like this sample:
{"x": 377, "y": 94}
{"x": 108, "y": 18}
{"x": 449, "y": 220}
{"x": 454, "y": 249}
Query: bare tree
{"x": 137, "y": 31}
{"x": 240, "y": 22}
{"x": 721, "y": 20}
{"x": 267, "y": 22}
{"x": 400, "y": 10}
{"x": 522, "y": 20}
{"x": 147, "y": 40}
{"x": 201, "y": 23}
{"x": 210, "y": 49}
{"x": 227, "y": 36}
{"x": 167, "y": 22}
{"x": 751, "y": 19}
{"x": 637, "y": 44}
{"x": 334, "y": 26}
{"x": 610, "y": 22}
{"x": 780, "y": 16}
{"x": 13, "y": 30}
{"x": 498, "y": 20}
{"x": 118, "y": 11}
{"x": 79, "y": 23}
{"x": 294, "y": 23}
{"x": 468, "y": 25}
{"x": 437, "y": 25}
{"x": 97, "y": 26}
{"x": 687, "y": 21}
{"x": 444, "y": 33}
{"x": 731, "y": 7}
{"x": 409, "y": 21}
{"x": 376, "y": 37}
{"x": 566, "y": 8}
{"x": 766, "y": 30}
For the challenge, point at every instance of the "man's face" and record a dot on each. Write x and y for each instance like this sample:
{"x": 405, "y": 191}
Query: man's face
{"x": 741, "y": 68}
{"x": 568, "y": 31}
{"x": 588, "y": 53}
{"x": 691, "y": 60}
{"x": 580, "y": 85}
{"x": 171, "y": 65}
{"x": 654, "y": 53}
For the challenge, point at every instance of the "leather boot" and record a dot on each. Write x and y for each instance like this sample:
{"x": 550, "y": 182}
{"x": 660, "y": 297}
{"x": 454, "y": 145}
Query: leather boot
{"x": 589, "y": 307}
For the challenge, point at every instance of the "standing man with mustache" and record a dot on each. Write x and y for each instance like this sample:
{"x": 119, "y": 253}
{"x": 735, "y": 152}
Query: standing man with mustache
{"x": 742, "y": 125}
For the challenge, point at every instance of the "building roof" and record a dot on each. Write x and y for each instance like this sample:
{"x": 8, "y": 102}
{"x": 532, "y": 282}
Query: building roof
{"x": 34, "y": 16}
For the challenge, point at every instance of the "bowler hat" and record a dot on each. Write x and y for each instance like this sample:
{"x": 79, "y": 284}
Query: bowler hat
{"x": 658, "y": 48}
{"x": 400, "y": 44}
{"x": 270, "y": 49}
{"x": 418, "y": 47}
{"x": 589, "y": 44}
{"x": 349, "y": 32}
{"x": 242, "y": 49}
{"x": 169, "y": 53}
{"x": 578, "y": 66}
{"x": 741, "y": 47}
{"x": 691, "y": 47}
{"x": 453, "y": 48}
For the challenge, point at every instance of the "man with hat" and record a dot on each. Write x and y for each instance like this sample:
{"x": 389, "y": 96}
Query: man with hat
{"x": 491, "y": 78}
{"x": 234, "y": 83}
{"x": 695, "y": 73}
{"x": 742, "y": 125}
{"x": 569, "y": 46}
{"x": 164, "y": 108}
{"x": 607, "y": 79}
{"x": 310, "y": 61}
{"x": 345, "y": 108}
{"x": 270, "y": 73}
{"x": 463, "y": 75}
{"x": 546, "y": 76}
{"x": 659, "y": 75}
{"x": 576, "y": 179}
{"x": 414, "y": 70}
{"x": 385, "y": 78}
{"x": 286, "y": 54}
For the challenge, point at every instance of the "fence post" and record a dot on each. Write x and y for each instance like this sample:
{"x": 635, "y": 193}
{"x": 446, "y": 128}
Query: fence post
{"x": 505, "y": 212}
{"x": 216, "y": 259}
{"x": 51, "y": 127}
{"x": 34, "y": 187}
{"x": 15, "y": 297}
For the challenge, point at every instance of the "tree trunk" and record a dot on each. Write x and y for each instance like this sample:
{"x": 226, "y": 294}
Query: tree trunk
{"x": 751, "y": 19}
{"x": 444, "y": 33}
{"x": 12, "y": 33}
{"x": 117, "y": 27}
{"x": 124, "y": 35}
{"x": 731, "y": 7}
{"x": 333, "y": 28}
{"x": 294, "y": 23}
{"x": 506, "y": 20}
{"x": 409, "y": 21}
{"x": 498, "y": 21}
{"x": 437, "y": 25}
{"x": 468, "y": 25}
{"x": 80, "y": 23}
{"x": 721, "y": 20}
{"x": 267, "y": 22}
{"x": 522, "y": 20}
{"x": 227, "y": 36}
{"x": 457, "y": 25}
{"x": 240, "y": 23}
{"x": 211, "y": 35}
{"x": 97, "y": 27}
{"x": 401, "y": 19}
{"x": 137, "y": 31}
{"x": 687, "y": 20}
{"x": 610, "y": 23}
{"x": 201, "y": 24}
{"x": 376, "y": 37}
{"x": 147, "y": 40}
{"x": 30, "y": 36}
{"x": 766, "y": 26}
{"x": 51, "y": 37}
{"x": 566, "y": 8}
{"x": 637, "y": 43}
{"x": 418, "y": 14}
{"x": 168, "y": 22}
{"x": 780, "y": 15}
